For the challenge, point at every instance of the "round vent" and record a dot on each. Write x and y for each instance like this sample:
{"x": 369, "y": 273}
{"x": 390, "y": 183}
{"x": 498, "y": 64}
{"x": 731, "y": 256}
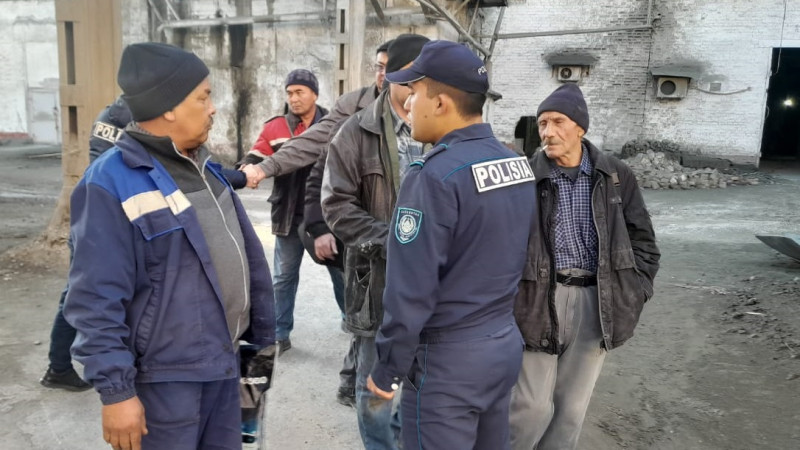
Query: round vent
{"x": 668, "y": 87}
{"x": 565, "y": 72}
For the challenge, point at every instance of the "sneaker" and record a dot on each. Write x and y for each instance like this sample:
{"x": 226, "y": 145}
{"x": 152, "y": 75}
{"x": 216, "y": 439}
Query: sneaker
{"x": 346, "y": 396}
{"x": 284, "y": 345}
{"x": 68, "y": 380}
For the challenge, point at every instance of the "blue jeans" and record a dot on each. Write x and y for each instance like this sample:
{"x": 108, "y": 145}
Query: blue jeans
{"x": 62, "y": 334}
{"x": 378, "y": 419}
{"x": 286, "y": 276}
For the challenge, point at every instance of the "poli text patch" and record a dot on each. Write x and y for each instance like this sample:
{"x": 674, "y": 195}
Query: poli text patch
{"x": 501, "y": 173}
{"x": 408, "y": 223}
{"x": 106, "y": 132}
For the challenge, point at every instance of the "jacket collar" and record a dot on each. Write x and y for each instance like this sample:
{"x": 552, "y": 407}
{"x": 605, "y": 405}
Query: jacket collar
{"x": 541, "y": 165}
{"x": 135, "y": 143}
{"x": 371, "y": 116}
{"x": 294, "y": 120}
{"x": 475, "y": 131}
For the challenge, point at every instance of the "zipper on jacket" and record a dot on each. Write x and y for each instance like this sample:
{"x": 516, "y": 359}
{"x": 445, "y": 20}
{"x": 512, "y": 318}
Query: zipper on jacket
{"x": 551, "y": 293}
{"x": 230, "y": 234}
{"x": 597, "y": 184}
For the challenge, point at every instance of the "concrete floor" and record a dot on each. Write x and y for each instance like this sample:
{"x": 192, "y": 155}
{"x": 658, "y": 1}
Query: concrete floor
{"x": 683, "y": 382}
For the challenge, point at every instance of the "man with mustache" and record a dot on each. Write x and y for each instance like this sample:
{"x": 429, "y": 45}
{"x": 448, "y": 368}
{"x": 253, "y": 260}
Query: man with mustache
{"x": 592, "y": 257}
{"x": 168, "y": 274}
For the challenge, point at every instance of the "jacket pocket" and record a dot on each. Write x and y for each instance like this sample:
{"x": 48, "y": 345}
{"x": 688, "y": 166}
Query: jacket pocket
{"x": 357, "y": 282}
{"x": 624, "y": 260}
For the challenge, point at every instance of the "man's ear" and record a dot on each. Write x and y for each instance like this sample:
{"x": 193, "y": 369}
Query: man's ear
{"x": 169, "y": 115}
{"x": 443, "y": 104}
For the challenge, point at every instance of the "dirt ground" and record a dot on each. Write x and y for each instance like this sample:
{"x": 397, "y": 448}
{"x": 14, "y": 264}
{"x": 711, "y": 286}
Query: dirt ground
{"x": 714, "y": 363}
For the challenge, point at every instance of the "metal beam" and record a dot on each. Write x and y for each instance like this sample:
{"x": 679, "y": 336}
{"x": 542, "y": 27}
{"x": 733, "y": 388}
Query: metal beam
{"x": 379, "y": 11}
{"x": 455, "y": 24}
{"x": 566, "y": 32}
{"x": 496, "y": 33}
{"x": 274, "y": 18}
{"x": 646, "y": 26}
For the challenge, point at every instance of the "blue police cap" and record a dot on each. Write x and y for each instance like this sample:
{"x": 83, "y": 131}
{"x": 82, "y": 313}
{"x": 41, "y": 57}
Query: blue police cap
{"x": 446, "y": 62}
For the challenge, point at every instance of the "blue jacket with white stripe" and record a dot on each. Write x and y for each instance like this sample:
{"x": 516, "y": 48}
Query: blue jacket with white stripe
{"x": 144, "y": 294}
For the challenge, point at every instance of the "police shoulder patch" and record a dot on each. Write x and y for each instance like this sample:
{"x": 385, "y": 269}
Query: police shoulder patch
{"x": 106, "y": 131}
{"x": 500, "y": 173}
{"x": 408, "y": 223}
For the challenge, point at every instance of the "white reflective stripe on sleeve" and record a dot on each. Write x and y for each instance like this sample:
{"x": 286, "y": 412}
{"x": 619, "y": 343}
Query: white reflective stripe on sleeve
{"x": 147, "y": 202}
{"x": 178, "y": 202}
{"x": 278, "y": 141}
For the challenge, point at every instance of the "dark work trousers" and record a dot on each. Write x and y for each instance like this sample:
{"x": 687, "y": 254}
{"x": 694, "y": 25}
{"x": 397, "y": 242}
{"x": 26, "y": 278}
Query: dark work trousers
{"x": 62, "y": 334}
{"x": 192, "y": 415}
{"x": 457, "y": 394}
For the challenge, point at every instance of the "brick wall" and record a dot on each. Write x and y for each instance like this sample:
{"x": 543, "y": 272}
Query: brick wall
{"x": 247, "y": 97}
{"x": 730, "y": 41}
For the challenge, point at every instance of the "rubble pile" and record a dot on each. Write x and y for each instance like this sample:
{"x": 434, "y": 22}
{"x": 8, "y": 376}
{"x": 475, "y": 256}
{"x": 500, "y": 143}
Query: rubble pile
{"x": 658, "y": 170}
{"x": 657, "y": 165}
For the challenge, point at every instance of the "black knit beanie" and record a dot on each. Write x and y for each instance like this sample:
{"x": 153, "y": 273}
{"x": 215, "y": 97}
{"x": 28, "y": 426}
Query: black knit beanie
{"x": 385, "y": 46}
{"x": 568, "y": 100}
{"x": 302, "y": 77}
{"x": 157, "y": 77}
{"x": 404, "y": 49}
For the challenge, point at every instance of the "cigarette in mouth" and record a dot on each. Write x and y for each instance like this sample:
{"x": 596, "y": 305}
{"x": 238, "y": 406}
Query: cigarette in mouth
{"x": 544, "y": 147}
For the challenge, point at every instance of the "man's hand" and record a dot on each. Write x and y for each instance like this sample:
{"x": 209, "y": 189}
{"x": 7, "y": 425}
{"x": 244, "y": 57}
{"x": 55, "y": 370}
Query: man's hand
{"x": 378, "y": 391}
{"x": 254, "y": 175}
{"x": 124, "y": 424}
{"x": 325, "y": 247}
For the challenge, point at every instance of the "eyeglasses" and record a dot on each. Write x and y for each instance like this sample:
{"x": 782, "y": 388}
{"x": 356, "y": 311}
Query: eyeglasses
{"x": 380, "y": 68}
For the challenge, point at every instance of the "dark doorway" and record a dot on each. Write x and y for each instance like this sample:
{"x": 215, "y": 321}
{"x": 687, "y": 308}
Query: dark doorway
{"x": 781, "y": 139}
{"x": 527, "y": 132}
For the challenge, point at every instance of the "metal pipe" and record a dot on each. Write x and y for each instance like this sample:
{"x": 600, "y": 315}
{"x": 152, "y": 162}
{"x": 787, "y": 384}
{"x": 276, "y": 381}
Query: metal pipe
{"x": 399, "y": 11}
{"x": 566, "y": 32}
{"x": 379, "y": 11}
{"x": 170, "y": 9}
{"x": 496, "y": 33}
{"x": 275, "y": 18}
{"x": 155, "y": 12}
{"x": 474, "y": 16}
{"x": 455, "y": 24}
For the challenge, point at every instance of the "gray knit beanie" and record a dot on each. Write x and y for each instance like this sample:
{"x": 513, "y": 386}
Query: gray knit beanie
{"x": 302, "y": 77}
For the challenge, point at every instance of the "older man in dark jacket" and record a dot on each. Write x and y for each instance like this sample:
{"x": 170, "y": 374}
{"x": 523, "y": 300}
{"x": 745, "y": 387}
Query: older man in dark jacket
{"x": 592, "y": 257}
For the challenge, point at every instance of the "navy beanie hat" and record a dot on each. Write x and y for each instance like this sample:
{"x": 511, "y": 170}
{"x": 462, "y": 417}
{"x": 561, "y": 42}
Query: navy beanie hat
{"x": 302, "y": 77}
{"x": 568, "y": 100}
{"x": 156, "y": 77}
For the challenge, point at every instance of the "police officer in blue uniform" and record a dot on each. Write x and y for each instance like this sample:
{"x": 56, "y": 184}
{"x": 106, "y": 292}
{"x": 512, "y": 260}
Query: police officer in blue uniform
{"x": 458, "y": 246}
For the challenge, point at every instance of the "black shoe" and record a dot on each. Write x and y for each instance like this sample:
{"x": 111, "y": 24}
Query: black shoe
{"x": 68, "y": 380}
{"x": 346, "y": 397}
{"x": 284, "y": 345}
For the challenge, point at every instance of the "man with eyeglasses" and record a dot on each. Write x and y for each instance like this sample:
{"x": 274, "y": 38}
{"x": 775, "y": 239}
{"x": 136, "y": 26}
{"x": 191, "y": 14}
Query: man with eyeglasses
{"x": 309, "y": 148}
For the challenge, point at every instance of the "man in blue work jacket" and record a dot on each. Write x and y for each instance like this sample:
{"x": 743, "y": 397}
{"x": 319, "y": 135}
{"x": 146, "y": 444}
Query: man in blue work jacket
{"x": 168, "y": 273}
{"x": 455, "y": 256}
